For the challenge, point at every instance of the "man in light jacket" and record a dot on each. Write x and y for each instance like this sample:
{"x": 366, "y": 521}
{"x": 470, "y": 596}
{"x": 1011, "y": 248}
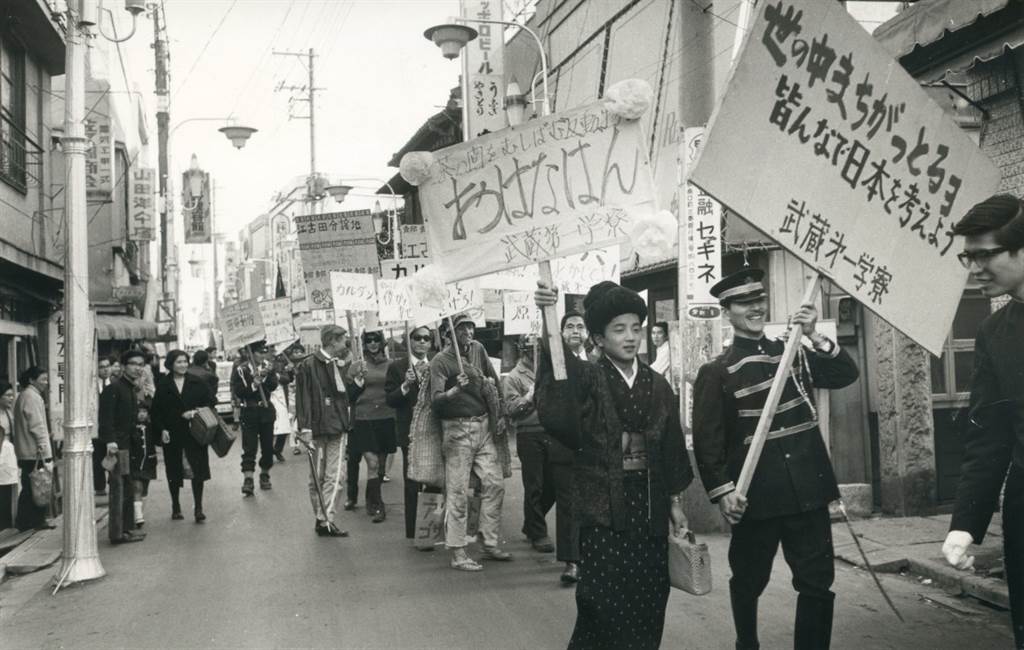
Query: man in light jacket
{"x": 31, "y": 443}
{"x": 322, "y": 412}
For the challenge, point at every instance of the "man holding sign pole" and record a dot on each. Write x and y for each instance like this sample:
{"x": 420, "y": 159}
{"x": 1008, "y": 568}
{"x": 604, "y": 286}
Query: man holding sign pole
{"x": 994, "y": 253}
{"x": 793, "y": 482}
{"x": 251, "y": 384}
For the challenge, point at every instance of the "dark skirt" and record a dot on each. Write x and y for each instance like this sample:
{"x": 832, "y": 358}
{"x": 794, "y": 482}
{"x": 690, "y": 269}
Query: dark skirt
{"x": 624, "y": 583}
{"x": 198, "y": 457}
{"x": 373, "y": 436}
{"x": 142, "y": 457}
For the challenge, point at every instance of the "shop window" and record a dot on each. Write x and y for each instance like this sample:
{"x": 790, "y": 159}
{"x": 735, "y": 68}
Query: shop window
{"x": 951, "y": 373}
{"x": 13, "y": 141}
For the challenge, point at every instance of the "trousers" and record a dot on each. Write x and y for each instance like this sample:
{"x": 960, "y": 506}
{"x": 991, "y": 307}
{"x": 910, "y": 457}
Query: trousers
{"x": 1013, "y": 549}
{"x": 469, "y": 447}
{"x": 806, "y": 540}
{"x": 545, "y": 484}
{"x": 257, "y": 434}
{"x": 99, "y": 475}
{"x": 121, "y": 508}
{"x": 329, "y": 459}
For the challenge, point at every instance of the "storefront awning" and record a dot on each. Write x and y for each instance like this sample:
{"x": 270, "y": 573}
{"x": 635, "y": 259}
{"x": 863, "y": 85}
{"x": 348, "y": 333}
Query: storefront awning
{"x": 929, "y": 20}
{"x": 119, "y": 327}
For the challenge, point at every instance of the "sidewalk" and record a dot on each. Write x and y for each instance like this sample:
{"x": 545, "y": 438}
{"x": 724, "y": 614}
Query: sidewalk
{"x": 914, "y": 544}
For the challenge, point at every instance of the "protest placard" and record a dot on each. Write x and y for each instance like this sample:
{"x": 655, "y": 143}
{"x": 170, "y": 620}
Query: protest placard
{"x": 402, "y": 267}
{"x": 521, "y": 315}
{"x": 241, "y": 323}
{"x": 277, "y": 321}
{"x": 828, "y": 146}
{"x": 352, "y": 292}
{"x": 336, "y": 241}
{"x": 573, "y": 273}
{"x": 463, "y": 297}
{"x": 393, "y": 301}
{"x": 554, "y": 186}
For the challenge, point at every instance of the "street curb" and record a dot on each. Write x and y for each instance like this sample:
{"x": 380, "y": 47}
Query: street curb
{"x": 41, "y": 537}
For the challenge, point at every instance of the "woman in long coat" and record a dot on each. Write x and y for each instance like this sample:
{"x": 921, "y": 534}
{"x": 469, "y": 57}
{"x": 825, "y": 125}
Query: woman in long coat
{"x": 178, "y": 395}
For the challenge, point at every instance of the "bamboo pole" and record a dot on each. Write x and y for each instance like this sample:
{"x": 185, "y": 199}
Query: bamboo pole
{"x": 551, "y": 318}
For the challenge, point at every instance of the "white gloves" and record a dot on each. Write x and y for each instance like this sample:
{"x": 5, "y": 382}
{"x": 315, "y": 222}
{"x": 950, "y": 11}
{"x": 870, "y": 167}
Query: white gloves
{"x": 955, "y": 549}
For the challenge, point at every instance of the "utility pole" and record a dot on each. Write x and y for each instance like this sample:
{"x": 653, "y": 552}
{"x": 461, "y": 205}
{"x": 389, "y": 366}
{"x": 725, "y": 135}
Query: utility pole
{"x": 315, "y": 183}
{"x": 163, "y": 120}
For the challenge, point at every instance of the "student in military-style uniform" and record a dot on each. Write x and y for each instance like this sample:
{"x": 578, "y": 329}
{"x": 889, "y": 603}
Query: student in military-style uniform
{"x": 793, "y": 484}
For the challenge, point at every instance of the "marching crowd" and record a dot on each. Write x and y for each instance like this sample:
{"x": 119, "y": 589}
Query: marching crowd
{"x": 605, "y": 447}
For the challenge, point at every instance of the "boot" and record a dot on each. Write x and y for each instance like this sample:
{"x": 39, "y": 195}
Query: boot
{"x": 265, "y": 481}
{"x": 374, "y": 501}
{"x": 197, "y": 500}
{"x": 247, "y": 486}
{"x": 813, "y": 629}
{"x": 744, "y": 616}
{"x": 175, "y": 504}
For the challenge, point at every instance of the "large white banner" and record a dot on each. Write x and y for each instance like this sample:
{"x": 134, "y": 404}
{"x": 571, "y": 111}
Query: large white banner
{"x": 554, "y": 186}
{"x": 823, "y": 142}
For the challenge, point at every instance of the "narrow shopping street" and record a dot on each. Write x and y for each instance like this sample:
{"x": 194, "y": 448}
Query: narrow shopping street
{"x": 255, "y": 576}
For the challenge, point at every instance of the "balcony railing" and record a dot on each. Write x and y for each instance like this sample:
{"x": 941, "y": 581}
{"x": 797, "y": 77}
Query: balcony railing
{"x": 21, "y": 159}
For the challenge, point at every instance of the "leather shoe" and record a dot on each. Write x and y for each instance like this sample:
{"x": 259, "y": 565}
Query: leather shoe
{"x": 379, "y": 515}
{"x": 350, "y": 505}
{"x": 571, "y": 575}
{"x": 495, "y": 553}
{"x": 543, "y": 545}
{"x": 200, "y": 516}
{"x": 265, "y": 482}
{"x": 247, "y": 487}
{"x": 128, "y": 538}
{"x": 176, "y": 514}
{"x": 324, "y": 529}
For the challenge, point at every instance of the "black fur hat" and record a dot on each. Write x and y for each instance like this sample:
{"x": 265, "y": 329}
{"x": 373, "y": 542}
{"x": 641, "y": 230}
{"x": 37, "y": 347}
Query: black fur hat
{"x": 605, "y": 301}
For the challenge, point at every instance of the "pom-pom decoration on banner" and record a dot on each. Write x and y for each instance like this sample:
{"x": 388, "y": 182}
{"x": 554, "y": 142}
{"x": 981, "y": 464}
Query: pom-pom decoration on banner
{"x": 628, "y": 99}
{"x": 428, "y": 288}
{"x": 416, "y": 167}
{"x": 654, "y": 235}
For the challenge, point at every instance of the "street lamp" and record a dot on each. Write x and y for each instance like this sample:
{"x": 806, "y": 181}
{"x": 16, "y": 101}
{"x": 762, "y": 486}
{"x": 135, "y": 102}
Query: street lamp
{"x": 238, "y": 135}
{"x": 338, "y": 192}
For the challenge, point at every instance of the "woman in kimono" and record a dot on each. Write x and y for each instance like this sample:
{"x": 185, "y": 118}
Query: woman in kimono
{"x": 621, "y": 419}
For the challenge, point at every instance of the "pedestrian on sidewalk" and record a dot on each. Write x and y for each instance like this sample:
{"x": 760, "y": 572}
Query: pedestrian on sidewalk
{"x": 178, "y": 395}
{"x": 8, "y": 458}
{"x": 546, "y": 467}
{"x": 993, "y": 232}
{"x": 284, "y": 423}
{"x": 118, "y": 425}
{"x": 402, "y": 390}
{"x": 252, "y": 383}
{"x": 794, "y": 482}
{"x": 622, "y": 420}
{"x": 99, "y": 475}
{"x": 373, "y": 434}
{"x": 323, "y": 415}
{"x": 31, "y": 444}
{"x": 468, "y": 403}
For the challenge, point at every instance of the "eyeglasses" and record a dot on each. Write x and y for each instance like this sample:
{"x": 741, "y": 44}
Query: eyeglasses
{"x": 422, "y": 338}
{"x": 980, "y": 256}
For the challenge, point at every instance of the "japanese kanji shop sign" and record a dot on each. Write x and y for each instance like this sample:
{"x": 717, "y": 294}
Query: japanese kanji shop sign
{"x": 277, "y": 321}
{"x": 99, "y": 156}
{"x": 554, "y": 186}
{"x": 142, "y": 205}
{"x": 824, "y": 143}
{"x": 414, "y": 242}
{"x": 484, "y": 69}
{"x": 702, "y": 240}
{"x": 195, "y": 206}
{"x": 402, "y": 268}
{"x": 336, "y": 241}
{"x": 241, "y": 323}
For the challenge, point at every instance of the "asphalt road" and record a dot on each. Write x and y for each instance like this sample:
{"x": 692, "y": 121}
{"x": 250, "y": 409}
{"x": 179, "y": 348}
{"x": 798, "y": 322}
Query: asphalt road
{"x": 255, "y": 576}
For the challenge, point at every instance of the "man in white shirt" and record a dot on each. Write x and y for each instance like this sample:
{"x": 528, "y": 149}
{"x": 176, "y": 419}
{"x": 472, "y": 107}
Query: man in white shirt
{"x": 574, "y": 333}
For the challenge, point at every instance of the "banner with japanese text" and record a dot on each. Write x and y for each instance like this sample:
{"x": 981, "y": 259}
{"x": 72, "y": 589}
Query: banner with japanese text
{"x": 352, "y": 292}
{"x": 554, "y": 186}
{"x": 142, "y": 204}
{"x": 277, "y": 321}
{"x": 402, "y": 268}
{"x": 393, "y": 302}
{"x": 484, "y": 68}
{"x": 703, "y": 241}
{"x": 99, "y": 155}
{"x": 521, "y": 315}
{"x": 241, "y": 323}
{"x": 195, "y": 206}
{"x": 335, "y": 241}
{"x": 414, "y": 242}
{"x": 823, "y": 142}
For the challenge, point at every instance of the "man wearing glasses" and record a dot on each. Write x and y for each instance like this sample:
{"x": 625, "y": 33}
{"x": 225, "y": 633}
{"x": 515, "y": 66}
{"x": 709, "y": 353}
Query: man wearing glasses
{"x": 993, "y": 232}
{"x": 119, "y": 412}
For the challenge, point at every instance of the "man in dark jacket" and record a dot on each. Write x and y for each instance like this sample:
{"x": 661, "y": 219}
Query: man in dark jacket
{"x": 252, "y": 382}
{"x": 323, "y": 401}
{"x": 119, "y": 413}
{"x": 401, "y": 390}
{"x": 793, "y": 484}
{"x": 993, "y": 234}
{"x": 200, "y": 368}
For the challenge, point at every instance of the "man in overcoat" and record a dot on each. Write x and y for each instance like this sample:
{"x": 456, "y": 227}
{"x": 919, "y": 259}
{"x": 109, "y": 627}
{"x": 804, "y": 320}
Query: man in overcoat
{"x": 119, "y": 411}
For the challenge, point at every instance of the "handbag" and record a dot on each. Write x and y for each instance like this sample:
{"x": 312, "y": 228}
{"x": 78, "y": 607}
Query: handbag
{"x": 429, "y": 520}
{"x": 426, "y": 452}
{"x": 223, "y": 438}
{"x": 41, "y": 481}
{"x": 203, "y": 425}
{"x": 689, "y": 564}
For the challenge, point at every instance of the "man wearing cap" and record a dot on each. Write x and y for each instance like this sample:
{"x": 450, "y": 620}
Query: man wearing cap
{"x": 460, "y": 399}
{"x": 793, "y": 484}
{"x": 257, "y": 413}
{"x": 546, "y": 467}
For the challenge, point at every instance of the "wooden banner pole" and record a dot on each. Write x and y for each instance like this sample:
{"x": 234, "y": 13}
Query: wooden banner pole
{"x": 259, "y": 382}
{"x": 550, "y": 319}
{"x": 774, "y": 394}
{"x": 455, "y": 343}
{"x": 353, "y": 337}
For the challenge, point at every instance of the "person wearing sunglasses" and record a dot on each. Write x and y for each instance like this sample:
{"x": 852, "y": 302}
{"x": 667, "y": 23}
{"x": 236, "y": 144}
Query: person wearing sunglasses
{"x": 373, "y": 432}
{"x": 993, "y": 251}
{"x": 401, "y": 391}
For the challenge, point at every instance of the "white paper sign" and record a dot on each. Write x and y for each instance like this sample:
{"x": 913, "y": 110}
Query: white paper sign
{"x": 521, "y": 315}
{"x": 554, "y": 186}
{"x": 352, "y": 292}
{"x": 824, "y": 143}
{"x": 277, "y": 321}
{"x": 241, "y": 323}
{"x": 393, "y": 301}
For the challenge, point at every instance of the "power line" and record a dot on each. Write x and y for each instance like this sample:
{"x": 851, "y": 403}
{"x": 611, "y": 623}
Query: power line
{"x": 263, "y": 56}
{"x": 205, "y": 45}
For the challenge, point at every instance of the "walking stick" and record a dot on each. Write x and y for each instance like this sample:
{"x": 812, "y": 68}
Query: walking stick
{"x": 771, "y": 405}
{"x": 867, "y": 563}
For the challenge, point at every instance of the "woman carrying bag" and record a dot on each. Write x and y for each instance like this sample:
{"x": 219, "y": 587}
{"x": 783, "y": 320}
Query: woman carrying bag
{"x": 178, "y": 396}
{"x": 32, "y": 445}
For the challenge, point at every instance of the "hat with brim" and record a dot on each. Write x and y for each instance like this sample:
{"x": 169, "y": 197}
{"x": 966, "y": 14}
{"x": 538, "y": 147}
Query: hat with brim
{"x": 741, "y": 287}
{"x": 456, "y": 320}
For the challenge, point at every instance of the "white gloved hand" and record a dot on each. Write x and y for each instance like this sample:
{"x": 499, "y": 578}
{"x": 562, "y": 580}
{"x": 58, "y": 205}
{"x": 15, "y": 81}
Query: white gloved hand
{"x": 955, "y": 549}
